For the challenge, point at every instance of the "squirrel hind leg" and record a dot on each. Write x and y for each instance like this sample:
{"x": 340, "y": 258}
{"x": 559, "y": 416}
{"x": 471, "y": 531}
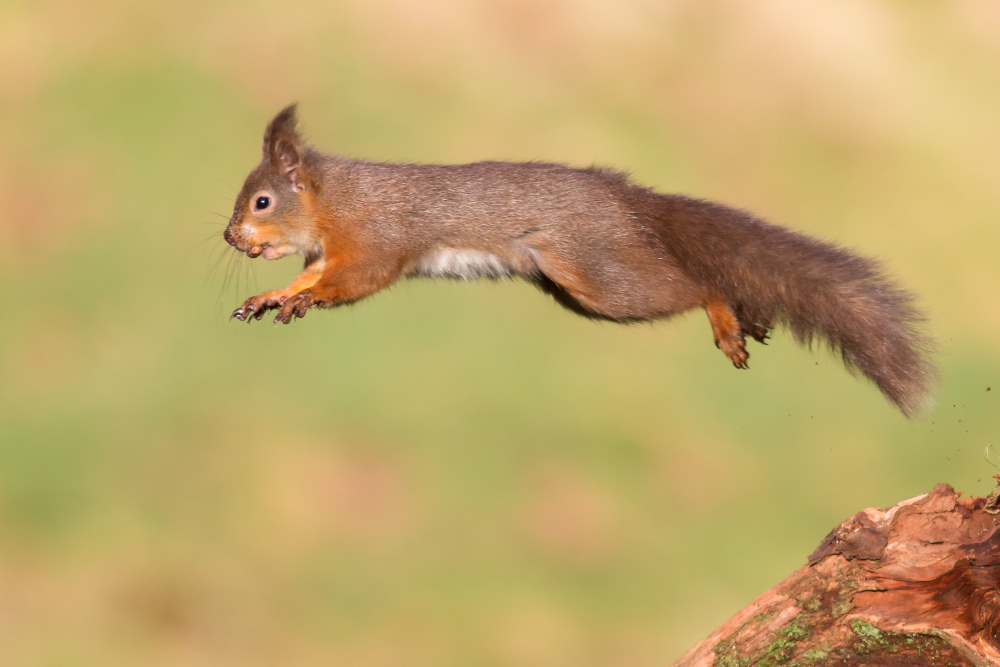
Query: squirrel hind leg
{"x": 729, "y": 333}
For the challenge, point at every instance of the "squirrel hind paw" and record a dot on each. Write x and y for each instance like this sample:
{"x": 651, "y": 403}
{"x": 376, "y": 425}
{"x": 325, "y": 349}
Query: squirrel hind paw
{"x": 729, "y": 333}
{"x": 735, "y": 349}
{"x": 758, "y": 332}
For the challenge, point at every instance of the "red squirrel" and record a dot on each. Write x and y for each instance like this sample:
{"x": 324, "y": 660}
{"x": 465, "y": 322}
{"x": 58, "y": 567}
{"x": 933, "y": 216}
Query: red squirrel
{"x": 601, "y": 245}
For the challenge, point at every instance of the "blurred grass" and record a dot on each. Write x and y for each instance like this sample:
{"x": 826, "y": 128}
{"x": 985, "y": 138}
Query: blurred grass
{"x": 457, "y": 473}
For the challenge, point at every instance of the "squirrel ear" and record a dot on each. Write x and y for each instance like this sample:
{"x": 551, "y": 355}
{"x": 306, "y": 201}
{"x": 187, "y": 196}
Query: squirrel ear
{"x": 284, "y": 148}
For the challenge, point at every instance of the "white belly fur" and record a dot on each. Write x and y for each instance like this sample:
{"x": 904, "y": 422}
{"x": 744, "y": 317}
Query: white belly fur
{"x": 458, "y": 263}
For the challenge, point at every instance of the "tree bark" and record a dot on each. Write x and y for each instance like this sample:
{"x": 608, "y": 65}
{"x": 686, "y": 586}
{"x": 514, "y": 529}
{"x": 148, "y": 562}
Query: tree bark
{"x": 913, "y": 585}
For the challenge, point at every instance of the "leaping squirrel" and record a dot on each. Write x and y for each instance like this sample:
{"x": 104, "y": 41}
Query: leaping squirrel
{"x": 602, "y": 246}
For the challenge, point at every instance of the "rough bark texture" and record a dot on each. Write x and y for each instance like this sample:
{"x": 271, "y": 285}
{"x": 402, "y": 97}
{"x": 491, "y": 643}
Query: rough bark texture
{"x": 913, "y": 585}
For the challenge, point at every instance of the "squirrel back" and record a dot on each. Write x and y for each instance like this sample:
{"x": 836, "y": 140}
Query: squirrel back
{"x": 601, "y": 245}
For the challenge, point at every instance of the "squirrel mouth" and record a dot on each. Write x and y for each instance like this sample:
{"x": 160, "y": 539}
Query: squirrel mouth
{"x": 268, "y": 252}
{"x": 255, "y": 250}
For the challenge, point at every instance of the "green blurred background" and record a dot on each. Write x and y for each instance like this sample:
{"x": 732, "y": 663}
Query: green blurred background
{"x": 458, "y": 473}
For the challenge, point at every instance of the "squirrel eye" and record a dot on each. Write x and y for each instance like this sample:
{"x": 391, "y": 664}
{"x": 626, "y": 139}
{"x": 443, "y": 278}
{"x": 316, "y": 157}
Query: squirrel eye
{"x": 262, "y": 203}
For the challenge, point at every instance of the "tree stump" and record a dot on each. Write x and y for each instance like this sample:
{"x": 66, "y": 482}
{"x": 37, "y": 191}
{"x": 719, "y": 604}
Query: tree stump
{"x": 913, "y": 585}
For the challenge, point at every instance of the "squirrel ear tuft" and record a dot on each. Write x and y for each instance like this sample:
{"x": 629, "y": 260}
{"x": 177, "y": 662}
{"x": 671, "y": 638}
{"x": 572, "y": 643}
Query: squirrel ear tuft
{"x": 284, "y": 148}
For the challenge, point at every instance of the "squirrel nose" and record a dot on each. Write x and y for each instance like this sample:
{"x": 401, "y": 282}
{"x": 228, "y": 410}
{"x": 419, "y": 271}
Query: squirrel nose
{"x": 228, "y": 235}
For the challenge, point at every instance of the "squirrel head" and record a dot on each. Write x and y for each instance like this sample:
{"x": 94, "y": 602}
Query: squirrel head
{"x": 272, "y": 213}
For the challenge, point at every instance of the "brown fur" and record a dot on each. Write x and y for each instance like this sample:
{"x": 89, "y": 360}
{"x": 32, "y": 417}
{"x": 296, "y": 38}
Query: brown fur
{"x": 600, "y": 245}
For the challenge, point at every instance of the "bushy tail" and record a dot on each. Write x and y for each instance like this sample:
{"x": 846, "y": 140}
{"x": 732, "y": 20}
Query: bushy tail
{"x": 770, "y": 275}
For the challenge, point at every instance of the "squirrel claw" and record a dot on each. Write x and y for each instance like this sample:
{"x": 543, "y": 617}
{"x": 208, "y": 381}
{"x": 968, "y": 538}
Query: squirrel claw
{"x": 255, "y": 307}
{"x": 758, "y": 332}
{"x": 294, "y": 307}
{"x": 285, "y": 318}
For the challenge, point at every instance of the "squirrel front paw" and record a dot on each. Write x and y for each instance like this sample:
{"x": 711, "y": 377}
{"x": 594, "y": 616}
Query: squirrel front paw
{"x": 255, "y": 307}
{"x": 295, "y": 306}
